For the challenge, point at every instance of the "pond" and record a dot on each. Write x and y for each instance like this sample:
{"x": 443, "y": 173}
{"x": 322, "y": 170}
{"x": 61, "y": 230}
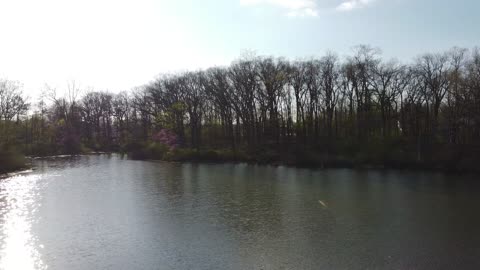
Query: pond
{"x": 109, "y": 212}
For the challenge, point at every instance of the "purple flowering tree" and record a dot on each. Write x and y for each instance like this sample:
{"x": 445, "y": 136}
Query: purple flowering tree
{"x": 167, "y": 138}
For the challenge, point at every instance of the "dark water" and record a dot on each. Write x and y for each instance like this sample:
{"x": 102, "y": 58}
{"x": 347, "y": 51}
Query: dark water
{"x": 105, "y": 212}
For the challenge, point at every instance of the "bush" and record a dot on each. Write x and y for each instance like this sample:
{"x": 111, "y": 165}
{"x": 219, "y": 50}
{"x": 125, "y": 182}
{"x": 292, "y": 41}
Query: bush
{"x": 152, "y": 150}
{"x": 156, "y": 150}
{"x": 11, "y": 160}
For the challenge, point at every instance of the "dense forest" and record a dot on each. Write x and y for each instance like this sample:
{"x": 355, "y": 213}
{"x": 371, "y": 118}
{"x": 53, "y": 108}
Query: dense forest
{"x": 358, "y": 110}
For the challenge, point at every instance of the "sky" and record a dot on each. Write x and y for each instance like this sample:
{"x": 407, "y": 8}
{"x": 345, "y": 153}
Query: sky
{"x": 115, "y": 45}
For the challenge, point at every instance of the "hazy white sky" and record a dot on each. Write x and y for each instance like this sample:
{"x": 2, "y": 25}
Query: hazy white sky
{"x": 116, "y": 45}
{"x": 112, "y": 44}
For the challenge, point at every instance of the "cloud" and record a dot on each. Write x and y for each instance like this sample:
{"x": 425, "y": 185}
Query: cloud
{"x": 353, "y": 4}
{"x": 294, "y": 8}
{"x": 309, "y": 8}
{"x": 302, "y": 13}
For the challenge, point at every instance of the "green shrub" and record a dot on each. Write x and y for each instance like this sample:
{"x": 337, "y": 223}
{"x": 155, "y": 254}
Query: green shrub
{"x": 156, "y": 150}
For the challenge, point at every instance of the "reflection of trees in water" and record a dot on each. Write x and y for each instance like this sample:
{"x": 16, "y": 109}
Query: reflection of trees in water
{"x": 62, "y": 162}
{"x": 173, "y": 181}
{"x": 248, "y": 200}
{"x": 275, "y": 215}
{"x": 258, "y": 211}
{"x": 164, "y": 181}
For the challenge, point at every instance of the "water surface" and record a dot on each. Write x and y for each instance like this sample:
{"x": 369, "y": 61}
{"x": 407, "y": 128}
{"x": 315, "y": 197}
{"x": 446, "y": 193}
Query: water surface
{"x": 106, "y": 212}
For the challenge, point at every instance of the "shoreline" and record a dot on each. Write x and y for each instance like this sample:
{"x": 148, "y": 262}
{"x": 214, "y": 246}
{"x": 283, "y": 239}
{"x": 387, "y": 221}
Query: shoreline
{"x": 4, "y": 175}
{"x": 319, "y": 165}
{"x": 413, "y": 167}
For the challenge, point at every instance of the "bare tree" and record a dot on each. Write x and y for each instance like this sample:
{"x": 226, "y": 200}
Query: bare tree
{"x": 12, "y": 104}
{"x": 434, "y": 70}
{"x": 330, "y": 88}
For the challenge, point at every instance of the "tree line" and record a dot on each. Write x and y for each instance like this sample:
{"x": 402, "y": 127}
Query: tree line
{"x": 355, "y": 108}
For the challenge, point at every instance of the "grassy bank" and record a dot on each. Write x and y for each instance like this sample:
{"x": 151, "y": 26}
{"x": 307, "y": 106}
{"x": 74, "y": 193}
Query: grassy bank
{"x": 379, "y": 155}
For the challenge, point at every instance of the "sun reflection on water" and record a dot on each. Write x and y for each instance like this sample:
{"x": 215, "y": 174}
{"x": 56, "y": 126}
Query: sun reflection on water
{"x": 19, "y": 200}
